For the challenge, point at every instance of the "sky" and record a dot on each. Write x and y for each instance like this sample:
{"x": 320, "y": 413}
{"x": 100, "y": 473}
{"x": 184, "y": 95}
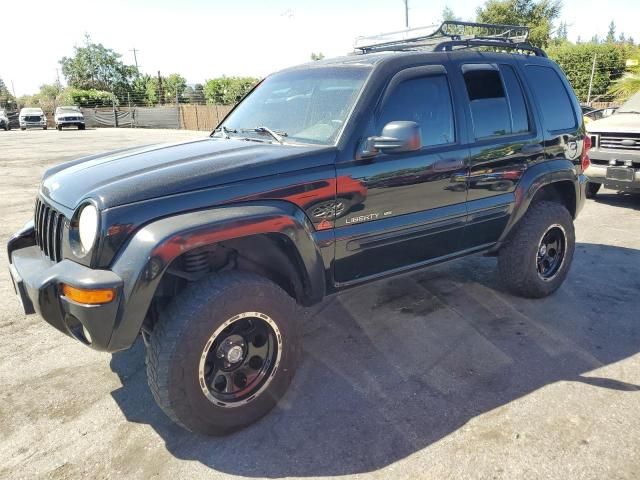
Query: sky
{"x": 203, "y": 39}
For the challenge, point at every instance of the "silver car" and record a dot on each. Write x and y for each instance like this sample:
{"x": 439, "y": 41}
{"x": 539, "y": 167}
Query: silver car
{"x": 4, "y": 120}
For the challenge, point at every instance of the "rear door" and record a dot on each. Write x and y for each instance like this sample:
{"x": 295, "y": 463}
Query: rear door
{"x": 504, "y": 141}
{"x": 411, "y": 206}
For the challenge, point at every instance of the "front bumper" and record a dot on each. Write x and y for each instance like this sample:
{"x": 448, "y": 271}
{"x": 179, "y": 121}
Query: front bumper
{"x": 70, "y": 123}
{"x": 38, "y": 282}
{"x": 598, "y": 174}
{"x": 33, "y": 124}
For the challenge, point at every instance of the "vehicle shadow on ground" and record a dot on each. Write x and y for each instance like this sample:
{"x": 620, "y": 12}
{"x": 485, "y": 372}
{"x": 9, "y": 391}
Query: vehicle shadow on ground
{"x": 393, "y": 367}
{"x": 628, "y": 200}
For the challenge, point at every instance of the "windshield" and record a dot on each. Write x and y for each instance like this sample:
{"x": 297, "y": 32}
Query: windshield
{"x": 307, "y": 106}
{"x": 67, "y": 110}
{"x": 631, "y": 105}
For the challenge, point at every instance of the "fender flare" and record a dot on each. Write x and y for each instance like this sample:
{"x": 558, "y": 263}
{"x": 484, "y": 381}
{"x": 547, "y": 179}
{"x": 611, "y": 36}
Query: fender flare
{"x": 145, "y": 258}
{"x": 535, "y": 178}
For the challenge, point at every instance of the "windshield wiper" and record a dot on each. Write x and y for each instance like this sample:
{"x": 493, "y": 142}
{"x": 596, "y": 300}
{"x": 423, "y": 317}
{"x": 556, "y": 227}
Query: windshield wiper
{"x": 278, "y": 136}
{"x": 628, "y": 111}
{"x": 225, "y": 131}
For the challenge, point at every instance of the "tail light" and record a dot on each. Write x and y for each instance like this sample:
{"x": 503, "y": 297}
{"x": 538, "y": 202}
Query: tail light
{"x": 584, "y": 159}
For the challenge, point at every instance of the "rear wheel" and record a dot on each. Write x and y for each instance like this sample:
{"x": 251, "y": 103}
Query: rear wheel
{"x": 592, "y": 189}
{"x": 80, "y": 127}
{"x": 224, "y": 352}
{"x": 536, "y": 259}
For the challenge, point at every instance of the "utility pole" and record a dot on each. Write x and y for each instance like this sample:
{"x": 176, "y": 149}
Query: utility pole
{"x": 135, "y": 56}
{"x": 160, "y": 90}
{"x": 593, "y": 71}
{"x": 406, "y": 13}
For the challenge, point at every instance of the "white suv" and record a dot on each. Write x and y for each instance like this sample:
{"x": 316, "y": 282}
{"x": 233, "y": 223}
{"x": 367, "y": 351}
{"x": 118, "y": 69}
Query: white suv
{"x": 32, "y": 118}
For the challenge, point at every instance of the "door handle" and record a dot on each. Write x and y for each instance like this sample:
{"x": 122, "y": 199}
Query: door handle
{"x": 532, "y": 149}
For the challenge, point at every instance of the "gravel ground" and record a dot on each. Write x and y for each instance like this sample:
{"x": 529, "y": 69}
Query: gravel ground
{"x": 440, "y": 374}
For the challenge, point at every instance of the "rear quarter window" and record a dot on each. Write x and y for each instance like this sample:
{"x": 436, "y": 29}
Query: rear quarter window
{"x": 552, "y": 96}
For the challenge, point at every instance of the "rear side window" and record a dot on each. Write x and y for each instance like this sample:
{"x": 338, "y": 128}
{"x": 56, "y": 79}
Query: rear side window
{"x": 426, "y": 101}
{"x": 517, "y": 106}
{"x": 497, "y": 106}
{"x": 552, "y": 96}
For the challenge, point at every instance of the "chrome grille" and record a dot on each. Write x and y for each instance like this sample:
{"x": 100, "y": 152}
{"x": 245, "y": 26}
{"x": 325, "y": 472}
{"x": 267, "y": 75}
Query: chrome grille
{"x": 48, "y": 225}
{"x": 623, "y": 141}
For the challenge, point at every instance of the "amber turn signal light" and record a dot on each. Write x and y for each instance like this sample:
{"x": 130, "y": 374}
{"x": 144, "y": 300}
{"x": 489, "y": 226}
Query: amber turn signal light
{"x": 89, "y": 297}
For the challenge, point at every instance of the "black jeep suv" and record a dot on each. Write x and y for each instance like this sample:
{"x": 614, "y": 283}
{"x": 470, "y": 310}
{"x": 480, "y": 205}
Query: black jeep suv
{"x": 324, "y": 177}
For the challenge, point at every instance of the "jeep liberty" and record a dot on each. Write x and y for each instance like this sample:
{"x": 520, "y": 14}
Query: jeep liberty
{"x": 325, "y": 176}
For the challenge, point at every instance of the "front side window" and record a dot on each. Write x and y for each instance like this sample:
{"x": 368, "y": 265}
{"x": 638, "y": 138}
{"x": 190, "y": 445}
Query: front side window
{"x": 552, "y": 96}
{"x": 306, "y": 106}
{"x": 426, "y": 101}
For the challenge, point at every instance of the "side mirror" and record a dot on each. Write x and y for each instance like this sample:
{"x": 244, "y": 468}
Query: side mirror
{"x": 397, "y": 137}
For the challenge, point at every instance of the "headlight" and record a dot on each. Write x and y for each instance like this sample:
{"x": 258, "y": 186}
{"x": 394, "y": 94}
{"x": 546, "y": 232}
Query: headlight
{"x": 88, "y": 226}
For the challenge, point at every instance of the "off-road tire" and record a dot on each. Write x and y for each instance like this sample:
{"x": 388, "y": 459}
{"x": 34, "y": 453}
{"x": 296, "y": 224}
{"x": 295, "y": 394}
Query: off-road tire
{"x": 591, "y": 189}
{"x": 44, "y": 128}
{"x": 183, "y": 329}
{"x": 517, "y": 259}
{"x": 59, "y": 127}
{"x": 80, "y": 127}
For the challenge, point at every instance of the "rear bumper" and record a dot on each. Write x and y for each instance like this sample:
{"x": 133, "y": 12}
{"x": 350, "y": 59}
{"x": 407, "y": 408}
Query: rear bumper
{"x": 38, "y": 282}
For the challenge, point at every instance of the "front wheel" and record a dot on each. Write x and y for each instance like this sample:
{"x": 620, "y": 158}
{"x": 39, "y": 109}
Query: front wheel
{"x": 536, "y": 259}
{"x": 592, "y": 189}
{"x": 224, "y": 352}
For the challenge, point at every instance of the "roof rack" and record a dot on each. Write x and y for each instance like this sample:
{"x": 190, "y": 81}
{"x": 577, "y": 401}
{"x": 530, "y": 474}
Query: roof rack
{"x": 449, "y": 35}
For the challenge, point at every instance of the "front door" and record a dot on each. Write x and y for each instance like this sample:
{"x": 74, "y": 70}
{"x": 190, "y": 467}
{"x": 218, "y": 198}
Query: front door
{"x": 411, "y": 206}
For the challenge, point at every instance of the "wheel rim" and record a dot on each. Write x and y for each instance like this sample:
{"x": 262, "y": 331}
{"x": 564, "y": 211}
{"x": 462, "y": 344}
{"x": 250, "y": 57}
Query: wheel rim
{"x": 329, "y": 209}
{"x": 551, "y": 252}
{"x": 240, "y": 359}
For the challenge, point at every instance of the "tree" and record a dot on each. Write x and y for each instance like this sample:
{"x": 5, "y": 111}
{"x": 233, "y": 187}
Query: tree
{"x": 448, "y": 15}
{"x": 93, "y": 66}
{"x": 562, "y": 34}
{"x": 174, "y": 86}
{"x": 577, "y": 60}
{"x": 6, "y": 99}
{"x": 537, "y": 15}
{"x": 194, "y": 94}
{"x": 317, "y": 56}
{"x": 611, "y": 34}
{"x": 629, "y": 83}
{"x": 227, "y": 90}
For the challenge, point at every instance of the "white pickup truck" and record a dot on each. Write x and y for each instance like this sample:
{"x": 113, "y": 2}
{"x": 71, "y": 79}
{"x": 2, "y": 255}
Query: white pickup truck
{"x": 32, "y": 118}
{"x": 69, "y": 117}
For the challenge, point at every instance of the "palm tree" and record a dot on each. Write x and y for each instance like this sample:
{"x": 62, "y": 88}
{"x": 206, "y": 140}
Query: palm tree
{"x": 629, "y": 83}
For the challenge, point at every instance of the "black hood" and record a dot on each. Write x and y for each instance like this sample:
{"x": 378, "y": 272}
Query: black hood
{"x": 142, "y": 173}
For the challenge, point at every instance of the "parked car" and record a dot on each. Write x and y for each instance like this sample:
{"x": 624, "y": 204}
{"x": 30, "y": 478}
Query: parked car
{"x": 326, "y": 176}
{"x": 590, "y": 114}
{"x": 32, "y": 118}
{"x": 69, "y": 117}
{"x": 615, "y": 152}
{"x": 4, "y": 120}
